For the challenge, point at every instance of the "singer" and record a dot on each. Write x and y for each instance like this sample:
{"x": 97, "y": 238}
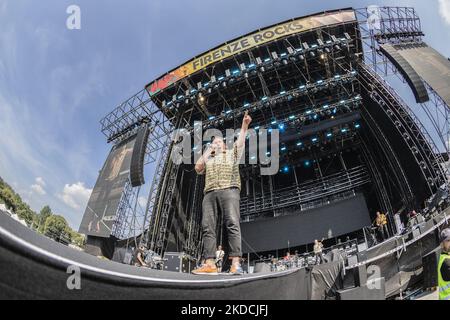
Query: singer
{"x": 222, "y": 194}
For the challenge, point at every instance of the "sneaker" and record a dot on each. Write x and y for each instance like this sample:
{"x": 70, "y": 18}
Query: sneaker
{"x": 206, "y": 269}
{"x": 236, "y": 270}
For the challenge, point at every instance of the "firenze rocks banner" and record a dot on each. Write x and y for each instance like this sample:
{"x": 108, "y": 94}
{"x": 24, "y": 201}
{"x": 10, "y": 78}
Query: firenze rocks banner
{"x": 247, "y": 42}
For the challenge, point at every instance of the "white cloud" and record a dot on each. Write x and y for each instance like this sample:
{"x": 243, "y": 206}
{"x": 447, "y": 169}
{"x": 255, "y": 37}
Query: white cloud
{"x": 37, "y": 188}
{"x": 40, "y": 181}
{"x": 444, "y": 10}
{"x": 75, "y": 195}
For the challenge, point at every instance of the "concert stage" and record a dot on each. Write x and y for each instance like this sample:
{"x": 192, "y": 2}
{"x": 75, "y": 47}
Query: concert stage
{"x": 35, "y": 267}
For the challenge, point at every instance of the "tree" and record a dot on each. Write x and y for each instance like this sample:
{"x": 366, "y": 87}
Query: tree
{"x": 56, "y": 227}
{"x": 26, "y": 214}
{"x": 45, "y": 213}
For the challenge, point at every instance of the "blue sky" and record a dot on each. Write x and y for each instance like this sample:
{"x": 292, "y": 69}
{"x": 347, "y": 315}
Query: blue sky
{"x": 56, "y": 84}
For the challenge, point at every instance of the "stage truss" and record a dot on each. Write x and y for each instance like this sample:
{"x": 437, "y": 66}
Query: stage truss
{"x": 396, "y": 25}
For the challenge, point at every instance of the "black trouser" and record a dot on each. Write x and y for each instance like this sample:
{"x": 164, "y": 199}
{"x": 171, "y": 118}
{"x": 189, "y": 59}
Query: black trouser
{"x": 383, "y": 231}
{"x": 319, "y": 258}
{"x": 226, "y": 202}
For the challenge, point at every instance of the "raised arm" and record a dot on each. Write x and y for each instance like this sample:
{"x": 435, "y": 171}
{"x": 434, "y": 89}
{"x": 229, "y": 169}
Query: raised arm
{"x": 245, "y": 123}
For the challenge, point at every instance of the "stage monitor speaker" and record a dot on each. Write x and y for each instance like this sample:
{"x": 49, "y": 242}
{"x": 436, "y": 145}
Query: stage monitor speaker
{"x": 100, "y": 247}
{"x": 137, "y": 159}
{"x": 178, "y": 262}
{"x": 407, "y": 71}
{"x": 261, "y": 267}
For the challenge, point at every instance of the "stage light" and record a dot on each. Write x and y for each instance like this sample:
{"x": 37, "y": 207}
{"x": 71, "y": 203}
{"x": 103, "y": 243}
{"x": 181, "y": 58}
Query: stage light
{"x": 302, "y": 87}
{"x": 329, "y": 135}
{"x": 211, "y": 118}
{"x": 325, "y": 106}
{"x": 282, "y": 92}
{"x": 227, "y": 73}
{"x": 201, "y": 99}
{"x": 285, "y": 169}
{"x": 314, "y": 139}
{"x": 221, "y": 78}
{"x": 228, "y": 112}
{"x": 267, "y": 153}
{"x": 267, "y": 60}
{"x": 264, "y": 98}
{"x": 291, "y": 117}
{"x": 322, "y": 56}
{"x": 315, "y": 117}
{"x": 319, "y": 81}
{"x": 357, "y": 126}
{"x": 250, "y": 66}
{"x": 235, "y": 72}
{"x": 283, "y": 148}
{"x": 299, "y": 144}
{"x": 344, "y": 130}
{"x": 308, "y": 111}
{"x": 270, "y": 130}
{"x": 256, "y": 128}
{"x": 307, "y": 163}
{"x": 273, "y": 122}
{"x": 246, "y": 104}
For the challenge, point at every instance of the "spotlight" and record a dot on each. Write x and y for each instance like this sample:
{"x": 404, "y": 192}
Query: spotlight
{"x": 201, "y": 99}
{"x": 285, "y": 169}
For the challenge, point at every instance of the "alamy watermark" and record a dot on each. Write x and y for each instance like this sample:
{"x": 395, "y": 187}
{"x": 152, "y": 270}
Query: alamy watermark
{"x": 374, "y": 17}
{"x": 73, "y": 21}
{"x": 74, "y": 280}
{"x": 257, "y": 141}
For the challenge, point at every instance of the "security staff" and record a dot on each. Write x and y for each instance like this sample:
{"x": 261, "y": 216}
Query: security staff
{"x": 444, "y": 266}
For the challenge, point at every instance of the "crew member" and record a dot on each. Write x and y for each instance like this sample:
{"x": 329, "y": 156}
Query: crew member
{"x": 219, "y": 258}
{"x": 318, "y": 247}
{"x": 444, "y": 266}
{"x": 222, "y": 193}
{"x": 381, "y": 222}
{"x": 140, "y": 257}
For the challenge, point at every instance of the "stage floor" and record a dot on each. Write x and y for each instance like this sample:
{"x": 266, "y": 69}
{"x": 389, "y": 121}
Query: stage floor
{"x": 34, "y": 266}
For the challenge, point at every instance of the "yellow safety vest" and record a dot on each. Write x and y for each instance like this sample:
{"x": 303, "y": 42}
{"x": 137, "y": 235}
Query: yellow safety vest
{"x": 444, "y": 286}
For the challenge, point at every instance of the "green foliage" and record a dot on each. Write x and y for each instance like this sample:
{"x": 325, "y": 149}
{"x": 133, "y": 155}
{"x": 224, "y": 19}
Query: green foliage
{"x": 45, "y": 213}
{"x": 54, "y": 226}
